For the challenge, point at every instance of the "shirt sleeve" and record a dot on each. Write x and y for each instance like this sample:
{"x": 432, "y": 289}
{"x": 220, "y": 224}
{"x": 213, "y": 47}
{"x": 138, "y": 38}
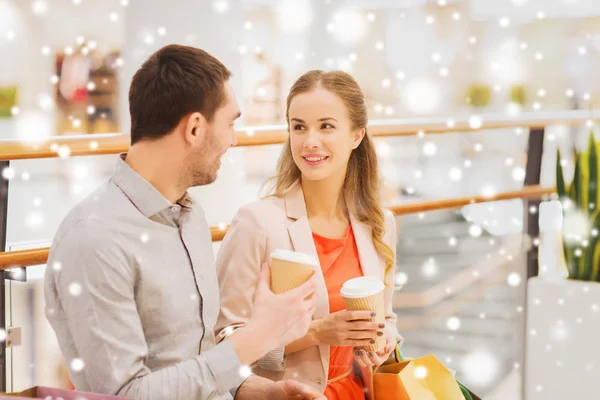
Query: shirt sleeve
{"x": 90, "y": 304}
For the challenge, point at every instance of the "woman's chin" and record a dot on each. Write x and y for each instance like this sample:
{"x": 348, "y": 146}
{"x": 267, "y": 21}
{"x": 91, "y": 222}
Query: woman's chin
{"x": 314, "y": 175}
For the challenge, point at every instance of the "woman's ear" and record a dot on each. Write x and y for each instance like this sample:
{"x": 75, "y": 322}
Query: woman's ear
{"x": 358, "y": 137}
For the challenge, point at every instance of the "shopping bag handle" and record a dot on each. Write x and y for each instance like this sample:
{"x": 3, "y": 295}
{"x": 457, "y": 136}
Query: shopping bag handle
{"x": 398, "y": 353}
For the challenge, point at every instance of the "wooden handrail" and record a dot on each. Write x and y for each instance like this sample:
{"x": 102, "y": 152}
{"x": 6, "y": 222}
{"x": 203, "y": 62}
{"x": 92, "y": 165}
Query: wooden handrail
{"x": 24, "y": 258}
{"x": 528, "y": 192}
{"x": 98, "y": 144}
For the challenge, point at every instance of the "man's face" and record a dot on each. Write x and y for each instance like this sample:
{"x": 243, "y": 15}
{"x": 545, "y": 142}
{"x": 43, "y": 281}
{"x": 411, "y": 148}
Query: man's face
{"x": 220, "y": 136}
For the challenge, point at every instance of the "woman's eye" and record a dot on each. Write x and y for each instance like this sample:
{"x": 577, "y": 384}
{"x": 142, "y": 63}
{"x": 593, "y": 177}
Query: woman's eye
{"x": 327, "y": 126}
{"x": 298, "y": 127}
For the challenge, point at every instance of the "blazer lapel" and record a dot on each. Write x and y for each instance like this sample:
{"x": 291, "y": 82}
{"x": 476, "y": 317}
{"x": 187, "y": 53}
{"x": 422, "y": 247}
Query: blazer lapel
{"x": 369, "y": 258}
{"x": 302, "y": 241}
{"x": 301, "y": 237}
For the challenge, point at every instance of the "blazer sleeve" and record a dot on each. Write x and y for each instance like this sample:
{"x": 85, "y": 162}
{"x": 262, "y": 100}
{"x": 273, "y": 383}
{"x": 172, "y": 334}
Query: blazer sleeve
{"x": 239, "y": 262}
{"x": 390, "y": 234}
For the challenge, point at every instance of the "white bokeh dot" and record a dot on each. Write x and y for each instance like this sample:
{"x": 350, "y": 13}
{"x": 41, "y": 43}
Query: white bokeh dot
{"x": 420, "y": 372}
{"x": 475, "y": 230}
{"x": 480, "y": 367}
{"x": 401, "y": 278}
{"x": 453, "y": 323}
{"x": 64, "y": 151}
{"x": 8, "y": 173}
{"x": 229, "y": 331}
{"x": 429, "y": 149}
{"x": 514, "y": 279}
{"x": 455, "y": 174}
{"x": 518, "y": 174}
{"x": 75, "y": 289}
{"x": 430, "y": 268}
{"x": 77, "y": 364}
{"x": 34, "y": 219}
{"x": 245, "y": 371}
{"x": 475, "y": 122}
{"x": 560, "y": 331}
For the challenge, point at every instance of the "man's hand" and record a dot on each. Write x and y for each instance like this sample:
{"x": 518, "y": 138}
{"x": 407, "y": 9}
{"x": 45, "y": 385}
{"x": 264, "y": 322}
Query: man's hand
{"x": 276, "y": 319}
{"x": 290, "y": 389}
{"x": 285, "y": 317}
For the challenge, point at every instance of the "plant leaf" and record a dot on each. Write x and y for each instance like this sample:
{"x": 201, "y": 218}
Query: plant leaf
{"x": 586, "y": 263}
{"x": 592, "y": 180}
{"x": 574, "y": 187}
{"x": 561, "y": 188}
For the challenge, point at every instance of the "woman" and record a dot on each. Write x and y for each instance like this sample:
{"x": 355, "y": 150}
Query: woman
{"x": 325, "y": 203}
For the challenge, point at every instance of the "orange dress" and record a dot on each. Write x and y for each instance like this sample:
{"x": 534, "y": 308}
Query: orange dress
{"x": 340, "y": 262}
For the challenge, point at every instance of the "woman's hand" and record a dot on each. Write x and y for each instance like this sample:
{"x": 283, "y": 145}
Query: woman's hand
{"x": 371, "y": 359}
{"x": 347, "y": 328}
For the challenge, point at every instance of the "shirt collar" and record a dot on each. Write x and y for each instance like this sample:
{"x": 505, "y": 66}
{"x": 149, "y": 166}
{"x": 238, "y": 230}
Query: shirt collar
{"x": 142, "y": 194}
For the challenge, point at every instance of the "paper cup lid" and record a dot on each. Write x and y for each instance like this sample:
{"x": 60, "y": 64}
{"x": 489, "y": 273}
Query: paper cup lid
{"x": 294, "y": 256}
{"x": 363, "y": 286}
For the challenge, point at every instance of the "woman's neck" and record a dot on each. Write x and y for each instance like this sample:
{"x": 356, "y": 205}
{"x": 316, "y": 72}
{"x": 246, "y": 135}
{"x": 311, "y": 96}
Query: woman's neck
{"x": 325, "y": 198}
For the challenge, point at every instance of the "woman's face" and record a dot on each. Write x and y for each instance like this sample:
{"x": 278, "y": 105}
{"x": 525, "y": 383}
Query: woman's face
{"x": 321, "y": 134}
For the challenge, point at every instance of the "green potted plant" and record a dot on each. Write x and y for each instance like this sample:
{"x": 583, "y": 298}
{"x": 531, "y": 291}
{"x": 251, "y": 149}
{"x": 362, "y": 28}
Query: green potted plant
{"x": 563, "y": 310}
{"x": 8, "y": 100}
{"x": 518, "y": 94}
{"x": 479, "y": 95}
{"x": 582, "y": 254}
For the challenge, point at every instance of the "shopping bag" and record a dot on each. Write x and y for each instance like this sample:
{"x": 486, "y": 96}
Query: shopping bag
{"x": 42, "y": 392}
{"x": 423, "y": 378}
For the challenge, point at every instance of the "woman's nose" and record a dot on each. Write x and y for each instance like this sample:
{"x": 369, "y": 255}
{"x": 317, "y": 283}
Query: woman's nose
{"x": 312, "y": 141}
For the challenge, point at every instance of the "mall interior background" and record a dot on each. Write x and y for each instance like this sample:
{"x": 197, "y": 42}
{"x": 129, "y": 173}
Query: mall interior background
{"x": 65, "y": 66}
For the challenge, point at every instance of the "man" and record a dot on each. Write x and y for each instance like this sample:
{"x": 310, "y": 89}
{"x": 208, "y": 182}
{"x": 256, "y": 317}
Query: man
{"x": 131, "y": 288}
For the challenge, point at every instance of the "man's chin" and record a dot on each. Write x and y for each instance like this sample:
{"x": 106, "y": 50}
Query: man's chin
{"x": 204, "y": 180}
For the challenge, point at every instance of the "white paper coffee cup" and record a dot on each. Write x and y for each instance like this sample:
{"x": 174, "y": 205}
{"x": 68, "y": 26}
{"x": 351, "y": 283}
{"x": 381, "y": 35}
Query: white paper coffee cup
{"x": 290, "y": 269}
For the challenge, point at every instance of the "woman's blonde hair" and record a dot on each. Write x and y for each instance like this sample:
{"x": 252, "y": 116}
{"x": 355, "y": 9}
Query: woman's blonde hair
{"x": 361, "y": 185}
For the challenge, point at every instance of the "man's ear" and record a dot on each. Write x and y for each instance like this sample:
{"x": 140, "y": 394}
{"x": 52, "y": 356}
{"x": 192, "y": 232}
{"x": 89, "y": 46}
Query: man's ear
{"x": 195, "y": 127}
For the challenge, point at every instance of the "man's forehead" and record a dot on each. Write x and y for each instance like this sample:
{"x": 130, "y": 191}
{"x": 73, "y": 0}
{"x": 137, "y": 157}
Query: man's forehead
{"x": 232, "y": 98}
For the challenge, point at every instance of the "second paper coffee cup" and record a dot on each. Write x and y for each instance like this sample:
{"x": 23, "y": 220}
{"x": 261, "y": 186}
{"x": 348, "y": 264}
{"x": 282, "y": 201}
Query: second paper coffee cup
{"x": 366, "y": 293}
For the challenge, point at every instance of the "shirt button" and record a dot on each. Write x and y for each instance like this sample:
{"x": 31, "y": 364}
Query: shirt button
{"x": 174, "y": 208}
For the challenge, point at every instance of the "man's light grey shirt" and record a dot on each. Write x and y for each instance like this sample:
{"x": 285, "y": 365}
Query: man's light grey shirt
{"x": 132, "y": 294}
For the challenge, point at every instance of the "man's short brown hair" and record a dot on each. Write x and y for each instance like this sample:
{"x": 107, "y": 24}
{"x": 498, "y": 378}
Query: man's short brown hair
{"x": 174, "y": 82}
